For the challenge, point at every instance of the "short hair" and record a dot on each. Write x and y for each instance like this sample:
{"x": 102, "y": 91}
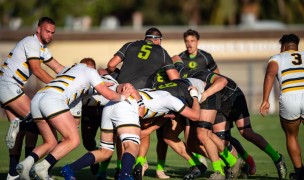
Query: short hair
{"x": 46, "y": 19}
{"x": 289, "y": 38}
{"x": 191, "y": 32}
{"x": 89, "y": 61}
{"x": 153, "y": 33}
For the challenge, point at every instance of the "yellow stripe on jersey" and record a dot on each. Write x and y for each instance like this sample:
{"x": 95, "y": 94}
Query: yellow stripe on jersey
{"x": 60, "y": 81}
{"x": 293, "y": 82}
{"x": 295, "y": 88}
{"x": 146, "y": 95}
{"x": 42, "y": 48}
{"x": 66, "y": 77}
{"x": 291, "y": 71}
{"x": 10, "y": 55}
{"x": 21, "y": 75}
{"x": 25, "y": 65}
{"x": 54, "y": 87}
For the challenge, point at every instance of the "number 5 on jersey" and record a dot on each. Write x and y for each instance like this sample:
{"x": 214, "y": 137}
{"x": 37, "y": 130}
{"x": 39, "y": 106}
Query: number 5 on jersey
{"x": 145, "y": 52}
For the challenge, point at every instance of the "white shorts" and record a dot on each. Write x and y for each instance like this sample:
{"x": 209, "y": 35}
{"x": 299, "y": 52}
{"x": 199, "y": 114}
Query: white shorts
{"x": 9, "y": 91}
{"x": 291, "y": 106}
{"x": 116, "y": 114}
{"x": 47, "y": 105}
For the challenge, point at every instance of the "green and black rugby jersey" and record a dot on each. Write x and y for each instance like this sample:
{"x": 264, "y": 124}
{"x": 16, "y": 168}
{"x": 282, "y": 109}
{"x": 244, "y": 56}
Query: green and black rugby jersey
{"x": 203, "y": 60}
{"x": 177, "y": 88}
{"x": 141, "y": 61}
{"x": 207, "y": 76}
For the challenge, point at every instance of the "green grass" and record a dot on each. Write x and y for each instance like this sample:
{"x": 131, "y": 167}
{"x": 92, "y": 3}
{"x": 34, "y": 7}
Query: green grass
{"x": 268, "y": 127}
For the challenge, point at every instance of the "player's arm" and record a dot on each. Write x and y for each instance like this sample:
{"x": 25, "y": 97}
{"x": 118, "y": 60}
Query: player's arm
{"x": 192, "y": 113}
{"x": 172, "y": 74}
{"x": 271, "y": 72}
{"x": 54, "y": 65}
{"x": 113, "y": 63}
{"x": 176, "y": 58}
{"x": 38, "y": 71}
{"x": 218, "y": 83}
{"x": 216, "y": 70}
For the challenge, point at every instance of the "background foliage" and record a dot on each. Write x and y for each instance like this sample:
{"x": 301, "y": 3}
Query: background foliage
{"x": 156, "y": 12}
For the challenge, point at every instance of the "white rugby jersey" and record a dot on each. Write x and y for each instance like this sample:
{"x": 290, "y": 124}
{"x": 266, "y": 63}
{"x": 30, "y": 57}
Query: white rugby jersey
{"x": 158, "y": 103}
{"x": 73, "y": 81}
{"x": 15, "y": 67}
{"x": 92, "y": 98}
{"x": 291, "y": 70}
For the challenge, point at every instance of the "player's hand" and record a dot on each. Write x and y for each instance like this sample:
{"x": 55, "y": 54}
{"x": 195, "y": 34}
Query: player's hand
{"x": 204, "y": 96}
{"x": 141, "y": 111}
{"x": 108, "y": 84}
{"x": 193, "y": 92}
{"x": 127, "y": 89}
{"x": 264, "y": 109}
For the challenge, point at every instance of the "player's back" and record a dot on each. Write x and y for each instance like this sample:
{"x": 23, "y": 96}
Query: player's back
{"x": 142, "y": 59}
{"x": 291, "y": 70}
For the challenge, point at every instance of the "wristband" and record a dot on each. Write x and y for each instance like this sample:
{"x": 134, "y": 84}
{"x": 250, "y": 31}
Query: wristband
{"x": 193, "y": 93}
{"x": 140, "y": 103}
{"x": 122, "y": 97}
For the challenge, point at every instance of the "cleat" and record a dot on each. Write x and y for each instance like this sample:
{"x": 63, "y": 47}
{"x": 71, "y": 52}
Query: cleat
{"x": 251, "y": 163}
{"x": 244, "y": 172}
{"x": 116, "y": 175}
{"x": 228, "y": 172}
{"x": 281, "y": 167}
{"x": 68, "y": 173}
{"x": 137, "y": 172}
{"x": 23, "y": 170}
{"x": 12, "y": 133}
{"x": 195, "y": 171}
{"x": 293, "y": 176}
{"x": 160, "y": 174}
{"x": 9, "y": 177}
{"x": 145, "y": 167}
{"x": 94, "y": 168}
{"x": 102, "y": 175}
{"x": 236, "y": 169}
{"x": 217, "y": 175}
{"x": 39, "y": 171}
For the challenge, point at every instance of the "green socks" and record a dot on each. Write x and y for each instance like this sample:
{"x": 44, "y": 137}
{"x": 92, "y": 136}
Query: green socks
{"x": 160, "y": 165}
{"x": 217, "y": 166}
{"x": 275, "y": 156}
{"x": 227, "y": 157}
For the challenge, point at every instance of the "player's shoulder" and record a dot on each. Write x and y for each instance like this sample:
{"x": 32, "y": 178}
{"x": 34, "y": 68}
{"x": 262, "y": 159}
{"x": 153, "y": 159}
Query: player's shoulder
{"x": 203, "y": 52}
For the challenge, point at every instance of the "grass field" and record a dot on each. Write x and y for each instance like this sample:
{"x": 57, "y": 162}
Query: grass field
{"x": 176, "y": 167}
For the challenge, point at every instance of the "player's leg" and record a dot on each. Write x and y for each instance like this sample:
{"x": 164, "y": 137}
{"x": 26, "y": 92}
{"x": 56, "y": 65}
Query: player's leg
{"x": 130, "y": 138}
{"x": 161, "y": 151}
{"x": 291, "y": 129}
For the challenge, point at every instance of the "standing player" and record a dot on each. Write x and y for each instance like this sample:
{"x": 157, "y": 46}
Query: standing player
{"x": 23, "y": 61}
{"x": 141, "y": 61}
{"x": 288, "y": 68}
{"x": 193, "y": 57}
{"x": 58, "y": 95}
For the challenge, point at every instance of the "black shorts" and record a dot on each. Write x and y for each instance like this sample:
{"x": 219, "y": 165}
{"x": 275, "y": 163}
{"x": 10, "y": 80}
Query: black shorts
{"x": 91, "y": 114}
{"x": 233, "y": 109}
{"x": 212, "y": 102}
{"x": 29, "y": 126}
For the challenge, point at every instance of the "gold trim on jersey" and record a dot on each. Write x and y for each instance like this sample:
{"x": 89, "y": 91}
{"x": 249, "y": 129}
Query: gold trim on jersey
{"x": 294, "y": 88}
{"x": 146, "y": 95}
{"x": 293, "y": 81}
{"x": 292, "y": 70}
{"x": 66, "y": 77}
{"x": 60, "y": 89}
{"x": 25, "y": 64}
{"x": 21, "y": 75}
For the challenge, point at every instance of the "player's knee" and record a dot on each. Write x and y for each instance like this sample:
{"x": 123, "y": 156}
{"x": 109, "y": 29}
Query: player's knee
{"x": 130, "y": 141}
{"x": 107, "y": 145}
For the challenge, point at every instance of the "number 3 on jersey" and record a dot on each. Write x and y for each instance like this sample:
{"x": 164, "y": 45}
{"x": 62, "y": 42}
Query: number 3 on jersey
{"x": 144, "y": 52}
{"x": 297, "y": 59}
